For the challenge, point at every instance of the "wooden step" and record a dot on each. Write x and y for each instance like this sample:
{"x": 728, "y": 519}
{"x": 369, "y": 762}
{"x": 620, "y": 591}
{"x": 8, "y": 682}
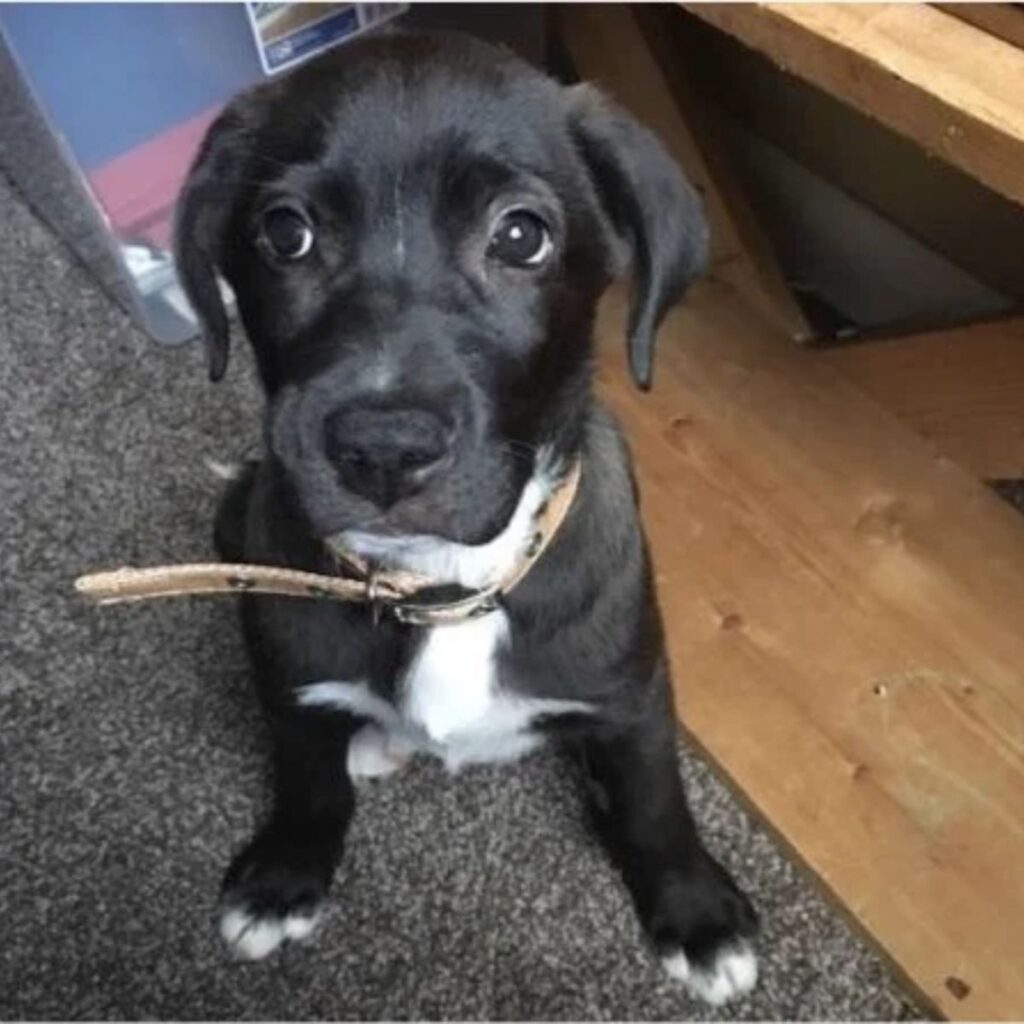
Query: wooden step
{"x": 953, "y": 88}
{"x": 845, "y": 611}
{"x": 962, "y": 388}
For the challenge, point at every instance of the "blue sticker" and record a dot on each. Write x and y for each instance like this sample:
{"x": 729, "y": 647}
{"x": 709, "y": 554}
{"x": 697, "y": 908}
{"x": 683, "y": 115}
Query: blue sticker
{"x": 287, "y": 33}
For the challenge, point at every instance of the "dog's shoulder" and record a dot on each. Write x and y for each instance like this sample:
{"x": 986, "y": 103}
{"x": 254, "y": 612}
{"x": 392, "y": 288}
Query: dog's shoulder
{"x": 604, "y": 525}
{"x": 608, "y": 453}
{"x": 600, "y": 548}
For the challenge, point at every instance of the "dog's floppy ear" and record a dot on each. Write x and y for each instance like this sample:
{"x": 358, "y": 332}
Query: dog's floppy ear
{"x": 203, "y": 211}
{"x": 654, "y": 213}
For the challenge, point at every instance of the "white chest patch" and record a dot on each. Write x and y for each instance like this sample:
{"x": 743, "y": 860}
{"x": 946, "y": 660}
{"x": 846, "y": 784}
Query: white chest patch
{"x": 451, "y": 703}
{"x": 451, "y": 685}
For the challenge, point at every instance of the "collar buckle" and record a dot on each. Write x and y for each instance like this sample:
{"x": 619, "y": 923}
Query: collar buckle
{"x": 373, "y": 596}
{"x": 447, "y": 613}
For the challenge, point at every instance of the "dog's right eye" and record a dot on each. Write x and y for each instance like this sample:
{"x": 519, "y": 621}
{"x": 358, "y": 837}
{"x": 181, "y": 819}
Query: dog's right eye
{"x": 520, "y": 239}
{"x": 285, "y": 233}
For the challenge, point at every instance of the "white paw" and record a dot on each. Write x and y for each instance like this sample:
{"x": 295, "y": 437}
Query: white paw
{"x": 733, "y": 974}
{"x": 252, "y": 938}
{"x": 373, "y": 753}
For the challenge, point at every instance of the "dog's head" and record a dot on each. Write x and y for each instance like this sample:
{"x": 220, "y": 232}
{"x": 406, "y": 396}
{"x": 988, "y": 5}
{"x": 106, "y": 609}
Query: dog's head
{"x": 417, "y": 232}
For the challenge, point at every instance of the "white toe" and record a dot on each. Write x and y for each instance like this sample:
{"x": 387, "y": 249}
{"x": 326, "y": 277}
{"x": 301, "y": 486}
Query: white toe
{"x": 248, "y": 936}
{"x": 733, "y": 974}
{"x": 677, "y": 966}
{"x": 298, "y": 927}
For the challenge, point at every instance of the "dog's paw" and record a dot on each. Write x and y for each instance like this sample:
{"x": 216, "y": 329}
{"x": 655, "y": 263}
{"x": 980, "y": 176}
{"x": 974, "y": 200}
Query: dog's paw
{"x": 373, "y": 753}
{"x": 732, "y": 972}
{"x": 272, "y": 894}
{"x": 251, "y": 936}
{"x": 701, "y": 929}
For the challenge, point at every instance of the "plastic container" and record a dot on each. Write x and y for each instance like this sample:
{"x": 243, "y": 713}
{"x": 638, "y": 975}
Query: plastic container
{"x": 102, "y": 108}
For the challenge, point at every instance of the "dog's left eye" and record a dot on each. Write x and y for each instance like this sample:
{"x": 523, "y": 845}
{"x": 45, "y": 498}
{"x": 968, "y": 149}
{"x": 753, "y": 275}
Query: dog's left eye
{"x": 520, "y": 239}
{"x": 285, "y": 233}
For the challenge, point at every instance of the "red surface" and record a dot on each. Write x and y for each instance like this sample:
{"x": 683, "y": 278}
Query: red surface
{"x": 138, "y": 189}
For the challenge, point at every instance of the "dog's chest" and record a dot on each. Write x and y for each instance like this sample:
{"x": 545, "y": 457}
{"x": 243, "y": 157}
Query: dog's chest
{"x": 451, "y": 687}
{"x": 453, "y": 694}
{"x": 451, "y": 701}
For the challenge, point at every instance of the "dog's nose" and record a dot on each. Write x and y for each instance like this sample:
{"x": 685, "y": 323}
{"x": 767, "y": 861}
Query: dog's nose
{"x": 387, "y": 454}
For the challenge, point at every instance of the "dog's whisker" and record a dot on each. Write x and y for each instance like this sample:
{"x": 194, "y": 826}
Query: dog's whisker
{"x": 526, "y": 446}
{"x": 525, "y": 457}
{"x": 324, "y": 121}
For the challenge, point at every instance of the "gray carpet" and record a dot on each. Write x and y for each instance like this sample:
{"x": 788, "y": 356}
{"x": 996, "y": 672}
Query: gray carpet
{"x": 133, "y": 759}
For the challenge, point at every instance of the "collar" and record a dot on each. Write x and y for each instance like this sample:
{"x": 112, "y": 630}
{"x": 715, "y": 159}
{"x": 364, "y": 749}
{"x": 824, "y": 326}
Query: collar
{"x": 412, "y": 598}
{"x": 418, "y": 599}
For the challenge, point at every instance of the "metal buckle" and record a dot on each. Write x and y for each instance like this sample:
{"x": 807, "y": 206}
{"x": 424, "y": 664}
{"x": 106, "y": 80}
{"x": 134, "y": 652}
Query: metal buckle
{"x": 411, "y": 616}
{"x": 373, "y": 596}
{"x": 446, "y": 614}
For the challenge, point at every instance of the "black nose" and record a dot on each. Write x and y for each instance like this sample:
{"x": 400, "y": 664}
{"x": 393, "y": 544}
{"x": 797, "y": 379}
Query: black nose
{"x": 386, "y": 454}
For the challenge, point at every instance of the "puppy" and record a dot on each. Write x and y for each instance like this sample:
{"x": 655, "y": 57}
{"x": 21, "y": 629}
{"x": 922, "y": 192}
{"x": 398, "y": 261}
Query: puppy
{"x": 417, "y": 231}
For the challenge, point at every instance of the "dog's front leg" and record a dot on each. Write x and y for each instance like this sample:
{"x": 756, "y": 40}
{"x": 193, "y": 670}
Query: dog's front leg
{"x": 273, "y": 890}
{"x": 692, "y": 911}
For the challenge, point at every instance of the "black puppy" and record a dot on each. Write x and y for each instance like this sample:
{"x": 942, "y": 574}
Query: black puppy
{"x": 417, "y": 232}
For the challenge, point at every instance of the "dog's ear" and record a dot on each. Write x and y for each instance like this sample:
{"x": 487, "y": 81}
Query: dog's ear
{"x": 201, "y": 219}
{"x": 654, "y": 213}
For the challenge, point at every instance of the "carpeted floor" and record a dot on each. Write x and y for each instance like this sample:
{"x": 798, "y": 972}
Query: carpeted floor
{"x": 132, "y": 757}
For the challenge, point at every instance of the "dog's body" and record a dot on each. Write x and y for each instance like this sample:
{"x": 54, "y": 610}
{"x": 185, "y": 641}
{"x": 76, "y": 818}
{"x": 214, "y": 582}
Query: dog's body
{"x": 417, "y": 235}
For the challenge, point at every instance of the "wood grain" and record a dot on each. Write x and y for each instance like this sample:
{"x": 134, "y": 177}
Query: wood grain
{"x": 961, "y": 389}
{"x": 953, "y": 88}
{"x": 1004, "y": 21}
{"x": 844, "y": 611}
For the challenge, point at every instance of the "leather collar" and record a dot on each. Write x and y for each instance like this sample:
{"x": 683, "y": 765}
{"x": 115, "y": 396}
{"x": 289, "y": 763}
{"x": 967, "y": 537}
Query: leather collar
{"x": 410, "y": 597}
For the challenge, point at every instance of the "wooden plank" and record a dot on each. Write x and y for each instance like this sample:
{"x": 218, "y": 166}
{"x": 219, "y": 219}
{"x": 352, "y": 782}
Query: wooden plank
{"x": 961, "y": 389}
{"x": 608, "y": 47}
{"x": 1004, "y": 21}
{"x": 844, "y": 613}
{"x": 953, "y": 88}
{"x": 970, "y": 225}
